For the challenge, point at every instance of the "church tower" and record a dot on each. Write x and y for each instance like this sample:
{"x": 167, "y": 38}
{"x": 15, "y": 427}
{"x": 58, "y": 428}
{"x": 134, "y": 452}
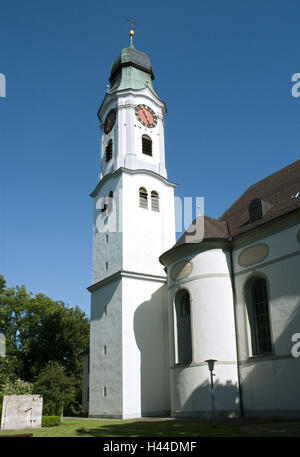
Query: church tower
{"x": 134, "y": 224}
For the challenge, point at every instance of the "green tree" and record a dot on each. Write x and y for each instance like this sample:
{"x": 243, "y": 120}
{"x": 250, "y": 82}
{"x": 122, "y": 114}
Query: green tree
{"x": 58, "y": 389}
{"x": 2, "y": 284}
{"x": 62, "y": 336}
{"x": 38, "y": 330}
{"x": 7, "y": 370}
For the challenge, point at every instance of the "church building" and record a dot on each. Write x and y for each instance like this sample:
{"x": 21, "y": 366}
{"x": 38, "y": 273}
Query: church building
{"x": 228, "y": 290}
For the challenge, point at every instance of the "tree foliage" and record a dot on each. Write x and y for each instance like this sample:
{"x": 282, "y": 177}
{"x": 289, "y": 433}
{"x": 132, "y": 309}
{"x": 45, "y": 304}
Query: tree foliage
{"x": 8, "y": 370}
{"x": 9, "y": 383}
{"x": 39, "y": 330}
{"x": 56, "y": 387}
{"x": 17, "y": 387}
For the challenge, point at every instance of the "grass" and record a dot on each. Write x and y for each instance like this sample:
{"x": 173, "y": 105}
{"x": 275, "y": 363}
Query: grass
{"x": 129, "y": 428}
{"x": 159, "y": 428}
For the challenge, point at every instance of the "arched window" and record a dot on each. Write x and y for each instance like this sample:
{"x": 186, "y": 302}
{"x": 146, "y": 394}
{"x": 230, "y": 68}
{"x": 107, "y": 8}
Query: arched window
{"x": 183, "y": 326}
{"x": 258, "y": 313}
{"x": 154, "y": 201}
{"x": 108, "y": 151}
{"x": 110, "y": 201}
{"x": 143, "y": 198}
{"x": 147, "y": 145}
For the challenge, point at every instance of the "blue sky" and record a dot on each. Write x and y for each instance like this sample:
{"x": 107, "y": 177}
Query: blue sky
{"x": 224, "y": 70}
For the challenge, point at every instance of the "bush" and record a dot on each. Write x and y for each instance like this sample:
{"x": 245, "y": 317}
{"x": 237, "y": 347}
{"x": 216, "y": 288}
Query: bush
{"x": 17, "y": 387}
{"x": 56, "y": 387}
{"x": 50, "y": 421}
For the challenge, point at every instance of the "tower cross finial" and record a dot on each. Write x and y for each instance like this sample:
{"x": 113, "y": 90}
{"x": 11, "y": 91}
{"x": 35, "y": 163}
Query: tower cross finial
{"x": 131, "y": 31}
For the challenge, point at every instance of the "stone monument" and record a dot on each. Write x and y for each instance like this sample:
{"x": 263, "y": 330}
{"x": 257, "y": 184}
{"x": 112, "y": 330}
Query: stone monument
{"x": 21, "y": 411}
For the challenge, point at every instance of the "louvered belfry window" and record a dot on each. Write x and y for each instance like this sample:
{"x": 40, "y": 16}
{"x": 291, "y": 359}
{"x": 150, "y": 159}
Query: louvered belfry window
{"x": 143, "y": 198}
{"x": 154, "y": 201}
{"x": 108, "y": 151}
{"x": 147, "y": 145}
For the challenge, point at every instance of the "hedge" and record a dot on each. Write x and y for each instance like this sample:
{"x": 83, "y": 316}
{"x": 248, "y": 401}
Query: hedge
{"x": 50, "y": 421}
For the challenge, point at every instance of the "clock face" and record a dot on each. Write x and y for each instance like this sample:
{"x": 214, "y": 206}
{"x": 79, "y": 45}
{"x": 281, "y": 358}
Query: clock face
{"x": 146, "y": 116}
{"x": 109, "y": 121}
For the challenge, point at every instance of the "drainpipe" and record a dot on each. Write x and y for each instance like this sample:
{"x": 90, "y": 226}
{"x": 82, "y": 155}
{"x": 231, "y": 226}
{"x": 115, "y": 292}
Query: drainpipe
{"x": 235, "y": 317}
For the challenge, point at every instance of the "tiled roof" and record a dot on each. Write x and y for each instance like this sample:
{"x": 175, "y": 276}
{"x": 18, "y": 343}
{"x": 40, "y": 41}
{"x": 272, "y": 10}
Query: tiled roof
{"x": 279, "y": 190}
{"x": 203, "y": 227}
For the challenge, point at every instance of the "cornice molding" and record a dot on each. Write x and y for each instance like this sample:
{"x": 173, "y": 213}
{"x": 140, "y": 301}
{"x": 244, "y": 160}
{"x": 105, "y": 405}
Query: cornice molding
{"x": 180, "y": 282}
{"x": 270, "y": 227}
{"x": 126, "y": 274}
{"x": 121, "y": 170}
{"x": 254, "y": 235}
{"x": 184, "y": 250}
{"x": 115, "y": 95}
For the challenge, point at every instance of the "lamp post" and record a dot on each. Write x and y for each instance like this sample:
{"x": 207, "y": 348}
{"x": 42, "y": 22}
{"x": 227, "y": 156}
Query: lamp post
{"x": 211, "y": 364}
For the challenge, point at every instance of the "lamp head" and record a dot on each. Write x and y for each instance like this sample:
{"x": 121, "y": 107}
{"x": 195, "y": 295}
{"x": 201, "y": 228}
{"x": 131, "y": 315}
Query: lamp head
{"x": 211, "y": 364}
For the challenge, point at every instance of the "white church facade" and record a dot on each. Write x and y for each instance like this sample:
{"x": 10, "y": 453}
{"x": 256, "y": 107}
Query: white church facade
{"x": 228, "y": 290}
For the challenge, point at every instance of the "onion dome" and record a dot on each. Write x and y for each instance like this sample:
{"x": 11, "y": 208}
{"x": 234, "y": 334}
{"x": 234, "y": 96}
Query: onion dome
{"x": 132, "y": 69}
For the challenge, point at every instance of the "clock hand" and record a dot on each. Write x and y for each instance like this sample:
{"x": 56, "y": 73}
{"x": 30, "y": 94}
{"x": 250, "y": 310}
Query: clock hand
{"x": 146, "y": 115}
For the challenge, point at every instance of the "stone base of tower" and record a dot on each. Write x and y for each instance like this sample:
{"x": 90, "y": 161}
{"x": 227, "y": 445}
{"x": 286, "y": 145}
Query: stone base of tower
{"x": 129, "y": 366}
{"x": 145, "y": 347}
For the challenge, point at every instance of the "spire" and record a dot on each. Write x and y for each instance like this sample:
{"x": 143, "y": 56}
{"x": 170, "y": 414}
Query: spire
{"x": 131, "y": 31}
{"x": 131, "y": 34}
{"x": 131, "y": 69}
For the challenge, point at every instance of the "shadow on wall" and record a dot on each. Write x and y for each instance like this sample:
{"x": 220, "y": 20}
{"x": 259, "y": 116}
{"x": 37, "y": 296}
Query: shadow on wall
{"x": 150, "y": 323}
{"x": 200, "y": 401}
{"x": 107, "y": 294}
{"x": 151, "y": 334}
{"x": 271, "y": 383}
